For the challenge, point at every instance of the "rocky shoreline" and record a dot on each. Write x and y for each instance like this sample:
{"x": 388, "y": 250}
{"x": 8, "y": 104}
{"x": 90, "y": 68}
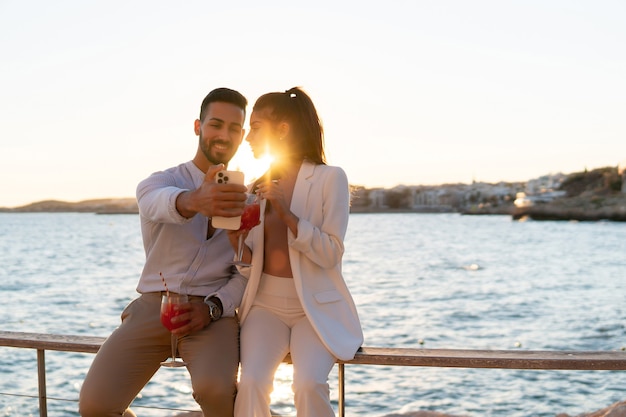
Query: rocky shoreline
{"x": 593, "y": 208}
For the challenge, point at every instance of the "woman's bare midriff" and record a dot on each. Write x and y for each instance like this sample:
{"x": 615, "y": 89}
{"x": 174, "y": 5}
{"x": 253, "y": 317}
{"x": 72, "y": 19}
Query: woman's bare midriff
{"x": 276, "y": 261}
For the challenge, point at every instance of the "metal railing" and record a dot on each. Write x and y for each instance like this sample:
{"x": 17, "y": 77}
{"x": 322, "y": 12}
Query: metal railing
{"x": 444, "y": 358}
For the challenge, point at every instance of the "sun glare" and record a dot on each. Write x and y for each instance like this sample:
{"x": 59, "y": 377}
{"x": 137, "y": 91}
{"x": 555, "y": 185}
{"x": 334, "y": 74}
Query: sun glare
{"x": 283, "y": 378}
{"x": 252, "y": 167}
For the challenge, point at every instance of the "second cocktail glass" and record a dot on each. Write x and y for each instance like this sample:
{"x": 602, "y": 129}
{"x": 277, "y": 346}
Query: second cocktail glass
{"x": 249, "y": 219}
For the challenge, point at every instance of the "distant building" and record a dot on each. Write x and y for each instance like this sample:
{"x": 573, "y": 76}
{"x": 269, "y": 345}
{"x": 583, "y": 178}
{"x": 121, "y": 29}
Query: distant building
{"x": 377, "y": 198}
{"x": 545, "y": 184}
{"x": 465, "y": 197}
{"x": 433, "y": 198}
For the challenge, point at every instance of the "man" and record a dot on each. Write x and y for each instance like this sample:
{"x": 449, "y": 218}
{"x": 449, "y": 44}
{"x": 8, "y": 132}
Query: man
{"x": 175, "y": 208}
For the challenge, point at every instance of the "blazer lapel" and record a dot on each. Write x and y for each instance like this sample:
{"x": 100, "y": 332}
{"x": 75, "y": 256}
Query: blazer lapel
{"x": 299, "y": 204}
{"x": 299, "y": 199}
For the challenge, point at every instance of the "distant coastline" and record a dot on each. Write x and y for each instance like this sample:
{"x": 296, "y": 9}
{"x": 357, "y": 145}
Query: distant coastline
{"x": 129, "y": 206}
{"x": 578, "y": 209}
{"x": 98, "y": 206}
{"x": 595, "y": 195}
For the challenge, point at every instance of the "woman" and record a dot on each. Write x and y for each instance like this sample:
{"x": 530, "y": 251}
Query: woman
{"x": 296, "y": 299}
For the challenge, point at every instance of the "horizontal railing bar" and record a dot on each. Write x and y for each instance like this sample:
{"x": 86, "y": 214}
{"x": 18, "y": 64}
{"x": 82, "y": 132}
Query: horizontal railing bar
{"x": 501, "y": 359}
{"x": 454, "y": 358}
{"x": 67, "y": 343}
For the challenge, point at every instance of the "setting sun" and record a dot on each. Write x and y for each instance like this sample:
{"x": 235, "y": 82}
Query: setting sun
{"x": 252, "y": 167}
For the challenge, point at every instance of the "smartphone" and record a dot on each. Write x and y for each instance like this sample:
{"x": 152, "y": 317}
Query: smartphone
{"x": 227, "y": 177}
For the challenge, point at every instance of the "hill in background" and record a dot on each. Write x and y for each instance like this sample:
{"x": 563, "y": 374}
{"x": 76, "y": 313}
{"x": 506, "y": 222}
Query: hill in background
{"x": 589, "y": 195}
{"x": 99, "y": 206}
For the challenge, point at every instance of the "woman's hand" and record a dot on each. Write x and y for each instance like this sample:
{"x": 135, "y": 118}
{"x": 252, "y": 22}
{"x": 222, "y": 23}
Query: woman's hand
{"x": 273, "y": 192}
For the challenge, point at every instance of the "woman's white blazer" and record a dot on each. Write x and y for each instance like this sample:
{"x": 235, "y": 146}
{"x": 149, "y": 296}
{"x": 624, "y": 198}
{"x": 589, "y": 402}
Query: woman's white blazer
{"x": 321, "y": 200}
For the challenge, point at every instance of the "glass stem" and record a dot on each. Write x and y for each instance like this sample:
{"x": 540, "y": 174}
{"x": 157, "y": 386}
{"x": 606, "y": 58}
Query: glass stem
{"x": 240, "y": 249}
{"x": 174, "y": 346}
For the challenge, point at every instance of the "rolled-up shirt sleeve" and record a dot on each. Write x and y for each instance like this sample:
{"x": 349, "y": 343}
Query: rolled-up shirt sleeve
{"x": 156, "y": 198}
{"x": 231, "y": 294}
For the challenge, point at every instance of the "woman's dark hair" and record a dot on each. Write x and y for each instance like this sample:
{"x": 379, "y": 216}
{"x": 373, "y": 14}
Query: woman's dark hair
{"x": 224, "y": 95}
{"x": 295, "y": 107}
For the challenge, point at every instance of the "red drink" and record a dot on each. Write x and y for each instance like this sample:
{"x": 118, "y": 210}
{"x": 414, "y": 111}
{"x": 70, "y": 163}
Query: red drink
{"x": 250, "y": 217}
{"x": 170, "y": 310}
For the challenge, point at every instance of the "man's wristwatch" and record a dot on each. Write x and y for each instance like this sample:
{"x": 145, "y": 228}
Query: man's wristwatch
{"x": 215, "y": 310}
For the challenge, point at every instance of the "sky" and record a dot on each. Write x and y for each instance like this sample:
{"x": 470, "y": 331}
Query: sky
{"x": 97, "y": 95}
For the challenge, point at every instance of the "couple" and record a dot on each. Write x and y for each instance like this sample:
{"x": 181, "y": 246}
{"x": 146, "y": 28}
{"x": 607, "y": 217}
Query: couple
{"x": 293, "y": 299}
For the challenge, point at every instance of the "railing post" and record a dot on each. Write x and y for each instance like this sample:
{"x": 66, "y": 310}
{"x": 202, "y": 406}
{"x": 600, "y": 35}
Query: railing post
{"x": 41, "y": 374}
{"x": 342, "y": 394}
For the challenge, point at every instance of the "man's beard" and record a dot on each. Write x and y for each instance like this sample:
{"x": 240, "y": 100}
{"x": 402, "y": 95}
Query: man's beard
{"x": 206, "y": 150}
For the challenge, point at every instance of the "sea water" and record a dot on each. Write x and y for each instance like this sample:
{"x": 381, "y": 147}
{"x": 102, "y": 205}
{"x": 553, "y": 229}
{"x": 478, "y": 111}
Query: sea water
{"x": 419, "y": 281}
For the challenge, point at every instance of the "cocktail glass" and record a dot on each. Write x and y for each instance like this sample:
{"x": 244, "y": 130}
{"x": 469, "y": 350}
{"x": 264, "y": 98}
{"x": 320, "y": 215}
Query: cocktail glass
{"x": 170, "y": 303}
{"x": 249, "y": 219}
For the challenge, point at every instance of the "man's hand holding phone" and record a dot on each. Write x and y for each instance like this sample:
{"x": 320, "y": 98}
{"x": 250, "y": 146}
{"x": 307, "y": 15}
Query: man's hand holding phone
{"x": 215, "y": 199}
{"x": 226, "y": 180}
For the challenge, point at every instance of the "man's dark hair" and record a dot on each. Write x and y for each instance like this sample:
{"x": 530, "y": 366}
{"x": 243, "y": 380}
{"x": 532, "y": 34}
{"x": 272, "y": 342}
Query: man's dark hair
{"x": 224, "y": 95}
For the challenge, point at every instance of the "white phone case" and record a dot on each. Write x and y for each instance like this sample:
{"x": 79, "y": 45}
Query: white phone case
{"x": 228, "y": 177}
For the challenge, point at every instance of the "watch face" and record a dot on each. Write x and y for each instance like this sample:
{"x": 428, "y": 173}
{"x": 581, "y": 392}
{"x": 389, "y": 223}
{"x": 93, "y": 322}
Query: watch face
{"x": 214, "y": 311}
